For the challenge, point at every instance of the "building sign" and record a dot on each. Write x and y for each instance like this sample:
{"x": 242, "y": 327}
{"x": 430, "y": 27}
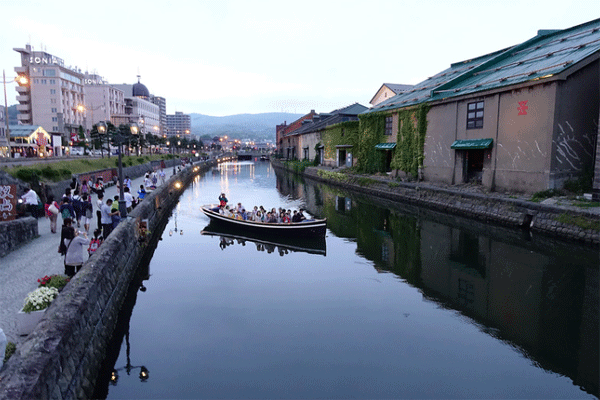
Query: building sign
{"x": 47, "y": 59}
{"x": 522, "y": 108}
{"x": 8, "y": 202}
{"x": 92, "y": 82}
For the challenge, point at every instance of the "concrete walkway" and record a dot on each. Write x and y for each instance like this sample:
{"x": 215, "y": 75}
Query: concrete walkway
{"x": 20, "y": 269}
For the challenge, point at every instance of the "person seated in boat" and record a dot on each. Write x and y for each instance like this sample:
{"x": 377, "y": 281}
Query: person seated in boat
{"x": 244, "y": 214}
{"x": 238, "y": 215}
{"x": 223, "y": 200}
{"x": 272, "y": 218}
{"x": 295, "y": 217}
{"x": 301, "y": 215}
{"x": 225, "y": 211}
{"x": 285, "y": 218}
{"x": 239, "y": 207}
{"x": 258, "y": 217}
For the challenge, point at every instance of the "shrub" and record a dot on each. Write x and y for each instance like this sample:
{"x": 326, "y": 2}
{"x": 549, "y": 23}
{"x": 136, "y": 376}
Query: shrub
{"x": 544, "y": 194}
{"x": 141, "y": 160}
{"x": 55, "y": 281}
{"x": 10, "y": 350}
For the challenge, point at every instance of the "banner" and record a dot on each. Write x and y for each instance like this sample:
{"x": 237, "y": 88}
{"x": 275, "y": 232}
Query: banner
{"x": 8, "y": 202}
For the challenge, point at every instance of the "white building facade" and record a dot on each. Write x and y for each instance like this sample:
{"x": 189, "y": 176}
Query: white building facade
{"x": 102, "y": 101}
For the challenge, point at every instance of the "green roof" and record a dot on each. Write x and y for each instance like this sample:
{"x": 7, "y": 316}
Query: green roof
{"x": 472, "y": 144}
{"x": 385, "y": 146}
{"x": 544, "y": 56}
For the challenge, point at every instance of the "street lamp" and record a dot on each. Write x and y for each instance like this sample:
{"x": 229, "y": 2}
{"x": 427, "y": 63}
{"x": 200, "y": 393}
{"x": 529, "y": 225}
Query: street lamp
{"x": 101, "y": 126}
{"x": 21, "y": 80}
{"x": 135, "y": 130}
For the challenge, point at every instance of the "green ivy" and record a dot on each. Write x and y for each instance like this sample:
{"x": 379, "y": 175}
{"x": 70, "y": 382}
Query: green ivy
{"x": 333, "y": 137}
{"x": 372, "y": 132}
{"x": 412, "y": 129}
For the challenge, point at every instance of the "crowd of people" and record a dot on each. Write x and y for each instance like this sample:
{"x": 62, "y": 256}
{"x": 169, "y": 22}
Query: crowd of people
{"x": 259, "y": 213}
{"x": 76, "y": 210}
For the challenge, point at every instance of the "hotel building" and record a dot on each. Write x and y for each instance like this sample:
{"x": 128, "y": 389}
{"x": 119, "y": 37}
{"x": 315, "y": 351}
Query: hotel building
{"x": 53, "y": 94}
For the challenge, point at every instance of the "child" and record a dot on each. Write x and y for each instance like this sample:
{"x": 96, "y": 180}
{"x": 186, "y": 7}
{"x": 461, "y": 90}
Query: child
{"x": 95, "y": 242}
{"x": 141, "y": 192}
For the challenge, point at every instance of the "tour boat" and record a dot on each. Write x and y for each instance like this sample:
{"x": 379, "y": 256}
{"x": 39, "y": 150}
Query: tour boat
{"x": 281, "y": 245}
{"x": 306, "y": 228}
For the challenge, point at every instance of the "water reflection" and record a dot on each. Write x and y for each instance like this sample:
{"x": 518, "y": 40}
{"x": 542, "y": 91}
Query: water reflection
{"x": 270, "y": 244}
{"x": 538, "y": 294}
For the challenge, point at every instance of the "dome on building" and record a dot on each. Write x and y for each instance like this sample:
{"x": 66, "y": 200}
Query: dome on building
{"x": 140, "y": 90}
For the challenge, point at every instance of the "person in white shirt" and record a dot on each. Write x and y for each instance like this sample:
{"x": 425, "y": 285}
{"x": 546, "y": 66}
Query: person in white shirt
{"x": 128, "y": 199}
{"x": 30, "y": 198}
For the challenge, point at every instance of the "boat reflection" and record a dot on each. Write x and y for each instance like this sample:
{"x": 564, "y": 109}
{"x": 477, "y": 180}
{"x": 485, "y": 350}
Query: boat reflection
{"x": 269, "y": 244}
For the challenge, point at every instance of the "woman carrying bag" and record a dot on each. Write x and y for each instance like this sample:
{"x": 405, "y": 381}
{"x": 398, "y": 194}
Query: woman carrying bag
{"x": 52, "y": 208}
{"x": 76, "y": 243}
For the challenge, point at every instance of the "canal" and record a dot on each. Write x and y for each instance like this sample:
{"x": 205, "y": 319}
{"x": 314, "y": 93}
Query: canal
{"x": 399, "y": 302}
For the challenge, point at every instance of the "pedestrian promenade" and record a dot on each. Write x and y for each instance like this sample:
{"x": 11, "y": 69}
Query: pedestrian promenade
{"x": 20, "y": 269}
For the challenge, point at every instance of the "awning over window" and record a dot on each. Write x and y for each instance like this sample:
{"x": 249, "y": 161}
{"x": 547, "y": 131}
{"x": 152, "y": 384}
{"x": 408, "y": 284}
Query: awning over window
{"x": 385, "y": 146}
{"x": 472, "y": 144}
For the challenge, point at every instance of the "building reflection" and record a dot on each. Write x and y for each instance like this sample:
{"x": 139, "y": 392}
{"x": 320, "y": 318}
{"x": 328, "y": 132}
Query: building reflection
{"x": 538, "y": 294}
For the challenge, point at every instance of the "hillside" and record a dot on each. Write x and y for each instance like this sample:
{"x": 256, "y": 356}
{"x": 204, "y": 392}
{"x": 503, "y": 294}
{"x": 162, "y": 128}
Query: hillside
{"x": 258, "y": 127}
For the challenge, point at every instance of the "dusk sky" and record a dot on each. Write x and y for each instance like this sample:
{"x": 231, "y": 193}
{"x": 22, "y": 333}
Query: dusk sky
{"x": 232, "y": 57}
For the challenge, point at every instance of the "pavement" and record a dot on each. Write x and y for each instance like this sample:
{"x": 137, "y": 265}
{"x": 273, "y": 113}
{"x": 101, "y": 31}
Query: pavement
{"x": 21, "y": 269}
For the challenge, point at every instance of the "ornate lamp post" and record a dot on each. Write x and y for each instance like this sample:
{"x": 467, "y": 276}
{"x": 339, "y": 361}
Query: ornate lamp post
{"x": 101, "y": 126}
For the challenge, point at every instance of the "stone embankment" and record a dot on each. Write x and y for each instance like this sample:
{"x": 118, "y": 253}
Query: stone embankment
{"x": 61, "y": 357}
{"x": 566, "y": 222}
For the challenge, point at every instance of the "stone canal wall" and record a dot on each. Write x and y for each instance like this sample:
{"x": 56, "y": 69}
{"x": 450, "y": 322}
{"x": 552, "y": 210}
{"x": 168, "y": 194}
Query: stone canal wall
{"x": 568, "y": 223}
{"x": 62, "y": 356}
{"x": 17, "y": 232}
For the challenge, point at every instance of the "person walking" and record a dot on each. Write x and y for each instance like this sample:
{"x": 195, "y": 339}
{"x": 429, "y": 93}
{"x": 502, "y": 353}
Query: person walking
{"x": 66, "y": 210}
{"x": 76, "y": 243}
{"x": 107, "y": 222}
{"x": 52, "y": 208}
{"x": 99, "y": 204}
{"x": 87, "y": 211}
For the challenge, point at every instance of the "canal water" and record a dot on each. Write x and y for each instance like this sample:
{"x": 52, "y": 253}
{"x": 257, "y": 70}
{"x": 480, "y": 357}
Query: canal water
{"x": 397, "y": 302}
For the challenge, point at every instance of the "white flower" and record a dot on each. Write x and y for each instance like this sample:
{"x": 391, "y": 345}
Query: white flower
{"x": 40, "y": 298}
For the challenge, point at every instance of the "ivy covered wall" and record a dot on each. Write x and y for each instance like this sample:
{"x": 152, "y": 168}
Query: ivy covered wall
{"x": 339, "y": 134}
{"x": 371, "y": 132}
{"x": 412, "y": 128}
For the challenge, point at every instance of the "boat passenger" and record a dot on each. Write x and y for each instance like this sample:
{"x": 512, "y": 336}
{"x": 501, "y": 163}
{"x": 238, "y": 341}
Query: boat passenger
{"x": 272, "y": 218}
{"x": 295, "y": 217}
{"x": 301, "y": 215}
{"x": 285, "y": 218}
{"x": 223, "y": 200}
{"x": 244, "y": 214}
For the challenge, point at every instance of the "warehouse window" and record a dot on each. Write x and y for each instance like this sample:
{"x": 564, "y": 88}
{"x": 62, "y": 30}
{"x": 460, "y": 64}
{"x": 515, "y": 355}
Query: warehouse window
{"x": 388, "y": 125}
{"x": 475, "y": 115}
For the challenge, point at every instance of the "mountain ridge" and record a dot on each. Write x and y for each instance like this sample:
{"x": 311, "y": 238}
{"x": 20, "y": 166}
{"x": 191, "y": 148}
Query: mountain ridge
{"x": 260, "y": 126}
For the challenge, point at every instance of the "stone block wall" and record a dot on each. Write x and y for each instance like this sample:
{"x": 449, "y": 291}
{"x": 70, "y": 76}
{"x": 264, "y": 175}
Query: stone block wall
{"x": 488, "y": 208}
{"x": 16, "y": 233}
{"x": 61, "y": 357}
